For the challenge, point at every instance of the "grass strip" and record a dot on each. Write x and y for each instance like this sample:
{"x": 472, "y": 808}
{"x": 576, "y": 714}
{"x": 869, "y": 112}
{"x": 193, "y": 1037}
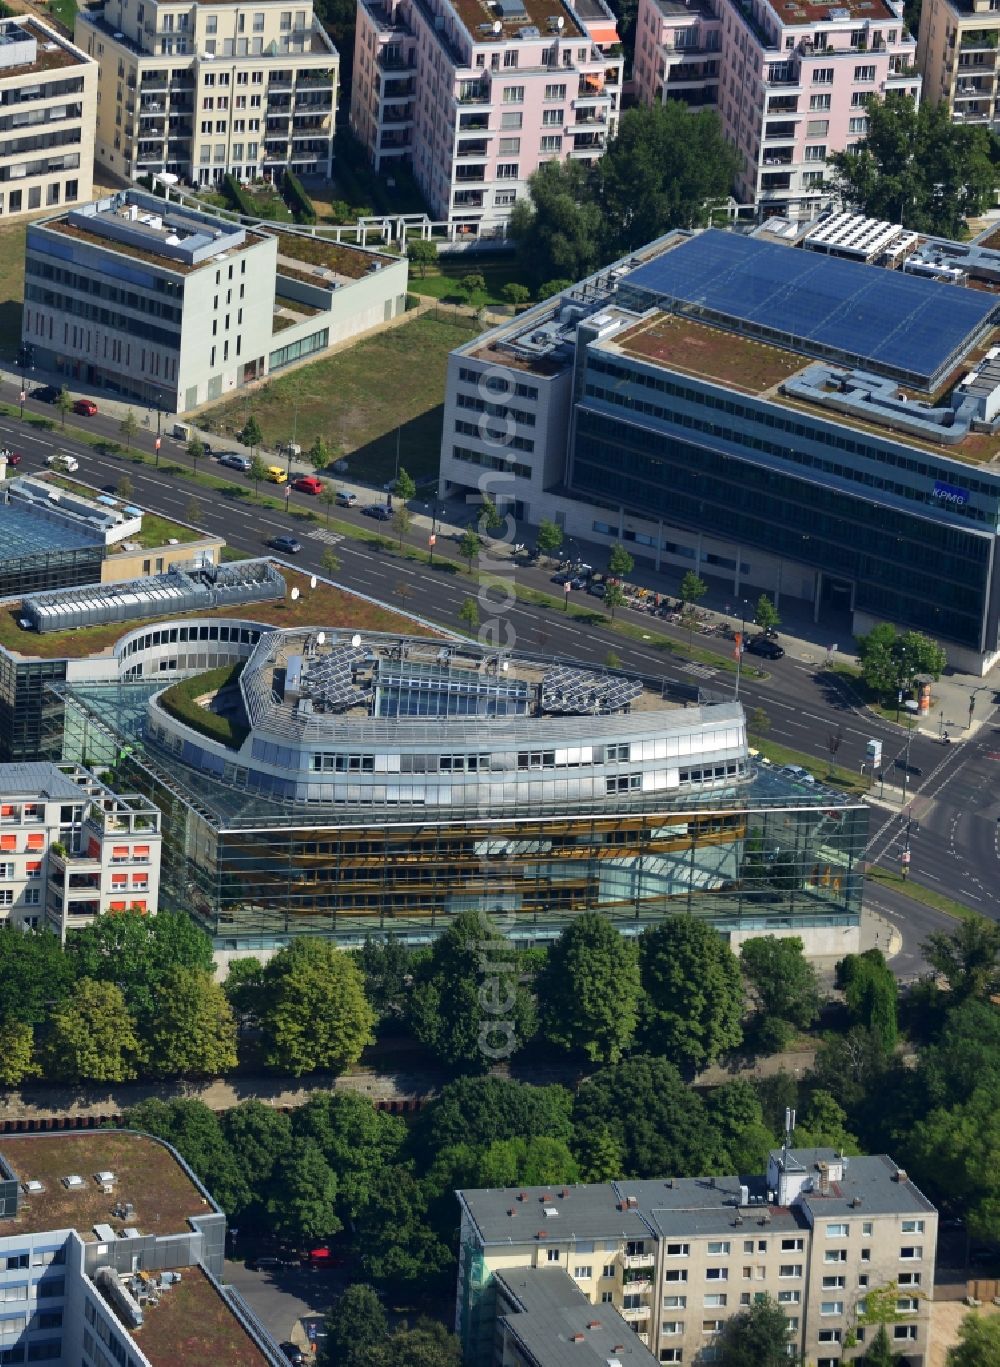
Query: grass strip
{"x": 919, "y": 893}
{"x": 820, "y": 769}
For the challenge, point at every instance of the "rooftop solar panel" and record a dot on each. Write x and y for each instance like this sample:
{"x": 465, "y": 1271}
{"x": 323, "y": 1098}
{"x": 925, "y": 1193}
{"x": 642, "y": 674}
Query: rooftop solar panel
{"x": 904, "y": 324}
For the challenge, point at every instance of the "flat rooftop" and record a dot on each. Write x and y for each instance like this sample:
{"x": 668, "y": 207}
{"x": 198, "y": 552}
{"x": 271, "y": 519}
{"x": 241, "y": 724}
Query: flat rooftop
{"x": 146, "y": 1175}
{"x": 327, "y": 258}
{"x": 37, "y": 779}
{"x": 194, "y": 1324}
{"x": 514, "y": 16}
{"x": 678, "y": 343}
{"x": 28, "y": 531}
{"x": 912, "y": 328}
{"x": 796, "y": 12}
{"x": 52, "y": 52}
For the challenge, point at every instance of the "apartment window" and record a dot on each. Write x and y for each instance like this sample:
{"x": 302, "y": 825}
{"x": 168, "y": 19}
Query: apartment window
{"x": 816, "y": 153}
{"x": 286, "y": 21}
{"x": 823, "y": 75}
{"x": 671, "y": 1355}
{"x": 553, "y": 1255}
{"x": 829, "y": 1336}
{"x": 836, "y": 1231}
{"x": 908, "y": 1279}
{"x": 859, "y": 99}
{"x": 864, "y": 73}
{"x": 206, "y": 125}
{"x": 220, "y": 125}
{"x": 793, "y": 1324}
{"x": 511, "y": 120}
{"x": 607, "y": 1297}
{"x": 867, "y": 1229}
{"x": 6, "y": 870}
{"x": 913, "y": 1226}
{"x": 717, "y": 1274}
{"x": 858, "y": 125}
{"x": 32, "y": 896}
{"x": 791, "y": 1245}
{"x": 715, "y": 1301}
{"x": 904, "y": 1333}
{"x": 675, "y": 1303}
{"x": 819, "y": 103}
{"x": 583, "y": 1273}
{"x": 510, "y": 59}
{"x": 513, "y": 94}
{"x": 550, "y": 142}
{"x": 789, "y": 1270}
{"x": 510, "y": 147}
{"x": 632, "y": 1302}
{"x": 6, "y": 897}
{"x": 711, "y": 1326}
{"x": 504, "y": 198}
{"x": 911, "y": 1253}
{"x": 675, "y": 1274}
{"x": 831, "y": 1307}
{"x": 211, "y": 23}
{"x": 258, "y": 23}
{"x": 747, "y": 1245}
{"x": 678, "y": 1250}
{"x": 555, "y": 92}
{"x": 817, "y": 128}
{"x": 789, "y": 1297}
{"x": 718, "y": 1246}
{"x": 835, "y": 1255}
{"x": 907, "y": 1305}
{"x": 834, "y": 1283}
{"x": 866, "y": 1255}
{"x": 553, "y": 118}
{"x": 608, "y": 1270}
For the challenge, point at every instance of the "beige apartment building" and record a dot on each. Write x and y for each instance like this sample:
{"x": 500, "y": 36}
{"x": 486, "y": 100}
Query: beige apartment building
{"x": 48, "y": 97}
{"x": 677, "y": 1257}
{"x": 199, "y": 90}
{"x": 957, "y": 55}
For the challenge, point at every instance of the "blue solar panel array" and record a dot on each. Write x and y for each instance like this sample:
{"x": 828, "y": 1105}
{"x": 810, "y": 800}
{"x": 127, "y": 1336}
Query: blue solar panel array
{"x": 901, "y": 323}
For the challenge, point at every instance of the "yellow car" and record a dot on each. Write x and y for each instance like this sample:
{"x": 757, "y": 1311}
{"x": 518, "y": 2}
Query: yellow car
{"x": 277, "y": 475}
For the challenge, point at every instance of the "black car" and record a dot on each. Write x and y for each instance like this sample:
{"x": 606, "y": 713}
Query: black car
{"x": 294, "y": 1354}
{"x": 378, "y": 511}
{"x": 46, "y": 393}
{"x": 288, "y": 544}
{"x": 764, "y": 646}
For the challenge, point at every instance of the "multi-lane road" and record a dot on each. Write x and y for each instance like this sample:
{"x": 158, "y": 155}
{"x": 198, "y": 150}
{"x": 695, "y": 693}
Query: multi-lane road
{"x": 954, "y": 801}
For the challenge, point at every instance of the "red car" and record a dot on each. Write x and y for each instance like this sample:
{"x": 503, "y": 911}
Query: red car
{"x": 86, "y": 407}
{"x": 14, "y": 458}
{"x": 308, "y": 484}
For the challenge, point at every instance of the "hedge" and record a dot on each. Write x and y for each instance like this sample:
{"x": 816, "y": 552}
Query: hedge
{"x": 240, "y": 199}
{"x": 179, "y": 701}
{"x": 297, "y": 199}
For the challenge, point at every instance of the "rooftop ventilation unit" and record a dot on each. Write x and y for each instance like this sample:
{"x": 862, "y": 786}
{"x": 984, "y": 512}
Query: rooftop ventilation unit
{"x": 33, "y": 1186}
{"x": 104, "y": 1179}
{"x": 73, "y": 1183}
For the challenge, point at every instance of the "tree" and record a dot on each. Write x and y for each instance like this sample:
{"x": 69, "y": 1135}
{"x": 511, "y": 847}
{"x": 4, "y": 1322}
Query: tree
{"x": 400, "y": 1247}
{"x": 17, "y": 1053}
{"x": 978, "y": 1343}
{"x": 757, "y": 1337}
{"x": 315, "y": 1013}
{"x": 823, "y": 1125}
{"x": 467, "y": 1005}
{"x": 516, "y": 294}
{"x": 614, "y": 598}
{"x": 552, "y": 287}
{"x": 693, "y": 995}
{"x": 192, "y": 1033}
{"x": 549, "y": 537}
{"x": 880, "y": 1353}
{"x": 330, "y": 562}
{"x": 557, "y": 226}
{"x": 386, "y": 965}
{"x": 401, "y": 520}
{"x": 257, "y": 473}
{"x": 259, "y": 1137}
{"x": 469, "y": 545}
{"x": 468, "y": 614}
{"x": 128, "y": 427}
{"x": 35, "y": 974}
{"x": 64, "y": 403}
{"x": 620, "y": 563}
{"x": 891, "y": 660}
{"x": 664, "y": 169}
{"x": 357, "y": 1326}
{"x": 358, "y": 1141}
{"x": 423, "y": 253}
{"x": 92, "y": 1037}
{"x": 661, "y": 1124}
{"x": 528, "y": 1162}
{"x": 328, "y": 497}
{"x": 125, "y": 487}
{"x": 968, "y": 958}
{"x": 427, "y": 1344}
{"x": 473, "y": 287}
{"x": 871, "y": 992}
{"x": 693, "y": 588}
{"x": 405, "y": 486}
{"x": 244, "y": 989}
{"x": 917, "y": 168}
{"x": 195, "y": 450}
{"x": 480, "y": 1110}
{"x": 301, "y": 1201}
{"x": 196, "y": 1134}
{"x": 193, "y": 511}
{"x": 319, "y": 454}
{"x": 137, "y": 952}
{"x": 735, "y": 1111}
{"x": 782, "y": 979}
{"x": 490, "y": 517}
{"x": 758, "y": 722}
{"x": 766, "y": 614}
{"x": 589, "y": 990}
{"x": 250, "y": 434}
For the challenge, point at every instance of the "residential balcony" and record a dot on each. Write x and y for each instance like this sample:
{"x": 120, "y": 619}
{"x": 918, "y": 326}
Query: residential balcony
{"x": 779, "y": 156}
{"x": 398, "y": 90}
{"x": 637, "y": 1314}
{"x": 321, "y": 104}
{"x": 388, "y": 60}
{"x": 466, "y": 175}
{"x": 634, "y": 1260}
{"x": 468, "y": 199}
{"x": 473, "y": 123}
{"x": 778, "y": 132}
{"x": 780, "y": 104}
{"x": 312, "y": 79}
{"x": 593, "y": 120}
{"x": 154, "y": 81}
{"x": 640, "y": 1285}
{"x": 479, "y": 148}
{"x": 394, "y": 147}
{"x": 773, "y": 183}
{"x": 589, "y": 142}
{"x": 781, "y": 74}
{"x": 281, "y": 80}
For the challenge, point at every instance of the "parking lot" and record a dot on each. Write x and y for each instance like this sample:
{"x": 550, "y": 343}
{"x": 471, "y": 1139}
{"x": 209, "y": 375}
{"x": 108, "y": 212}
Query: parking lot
{"x": 282, "y": 1296}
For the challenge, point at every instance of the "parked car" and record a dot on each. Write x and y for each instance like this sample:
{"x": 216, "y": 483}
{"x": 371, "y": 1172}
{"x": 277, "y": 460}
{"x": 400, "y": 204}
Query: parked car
{"x": 265, "y": 1264}
{"x": 277, "y": 474}
{"x": 86, "y": 408}
{"x": 796, "y": 771}
{"x": 378, "y": 511}
{"x": 288, "y": 544}
{"x": 294, "y": 1355}
{"x": 765, "y": 647}
{"x": 14, "y": 457}
{"x": 235, "y": 461}
{"x": 59, "y": 461}
{"x": 308, "y": 484}
{"x": 580, "y": 582}
{"x": 346, "y": 499}
{"x": 563, "y": 577}
{"x": 598, "y": 589}
{"x": 46, "y": 393}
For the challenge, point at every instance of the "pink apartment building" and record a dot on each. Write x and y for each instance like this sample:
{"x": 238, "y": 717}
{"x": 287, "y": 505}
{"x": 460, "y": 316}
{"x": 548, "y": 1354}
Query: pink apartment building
{"x": 476, "y": 95}
{"x": 790, "y": 79}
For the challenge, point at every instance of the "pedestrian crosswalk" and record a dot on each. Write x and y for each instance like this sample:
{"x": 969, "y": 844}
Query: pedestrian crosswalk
{"x": 699, "y": 671}
{"x": 321, "y": 534}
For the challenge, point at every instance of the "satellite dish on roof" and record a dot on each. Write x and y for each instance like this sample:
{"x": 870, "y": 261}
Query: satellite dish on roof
{"x": 321, "y": 638}
{"x": 497, "y": 26}
{"x": 355, "y": 640}
{"x": 560, "y": 23}
{"x": 313, "y": 582}
{"x": 295, "y": 595}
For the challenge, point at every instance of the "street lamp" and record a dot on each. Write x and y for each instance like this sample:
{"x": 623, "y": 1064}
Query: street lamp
{"x": 159, "y": 413}
{"x": 741, "y": 646}
{"x": 911, "y": 706}
{"x": 972, "y": 704}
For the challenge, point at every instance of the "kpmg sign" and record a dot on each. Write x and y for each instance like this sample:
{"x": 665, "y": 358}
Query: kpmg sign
{"x": 951, "y": 494}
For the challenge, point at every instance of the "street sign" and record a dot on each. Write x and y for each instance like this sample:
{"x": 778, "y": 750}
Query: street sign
{"x": 432, "y": 540}
{"x": 905, "y": 857}
{"x": 156, "y": 444}
{"x": 874, "y": 751}
{"x": 288, "y": 491}
{"x": 23, "y": 396}
{"x": 566, "y": 587}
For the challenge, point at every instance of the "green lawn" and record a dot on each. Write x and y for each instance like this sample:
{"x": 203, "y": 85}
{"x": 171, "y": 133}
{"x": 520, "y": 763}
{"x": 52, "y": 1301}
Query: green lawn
{"x": 64, "y": 11}
{"x": 919, "y": 893}
{"x": 441, "y": 281}
{"x": 835, "y": 775}
{"x": 11, "y": 287}
{"x": 356, "y": 399}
